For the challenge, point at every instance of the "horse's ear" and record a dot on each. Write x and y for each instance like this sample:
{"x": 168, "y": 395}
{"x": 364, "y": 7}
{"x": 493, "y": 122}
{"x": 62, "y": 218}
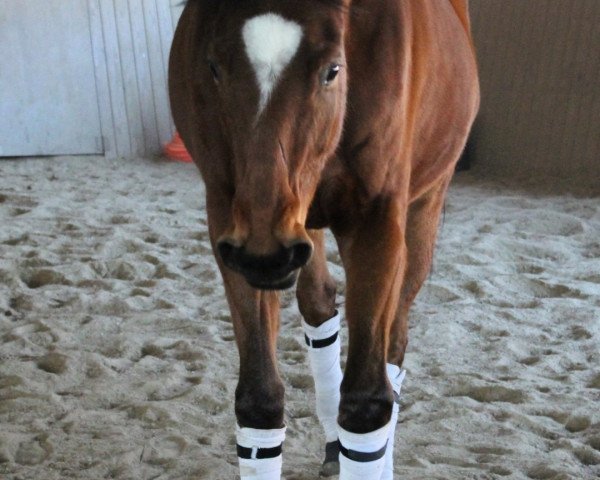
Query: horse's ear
{"x": 341, "y": 4}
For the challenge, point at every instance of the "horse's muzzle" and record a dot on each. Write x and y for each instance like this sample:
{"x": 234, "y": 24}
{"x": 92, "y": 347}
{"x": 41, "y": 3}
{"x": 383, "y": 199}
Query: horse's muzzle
{"x": 267, "y": 272}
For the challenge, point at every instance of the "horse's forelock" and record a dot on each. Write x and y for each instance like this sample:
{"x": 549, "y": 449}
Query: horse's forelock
{"x": 339, "y": 4}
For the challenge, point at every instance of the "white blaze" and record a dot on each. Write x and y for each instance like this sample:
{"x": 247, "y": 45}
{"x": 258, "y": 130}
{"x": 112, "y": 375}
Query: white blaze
{"x": 271, "y": 42}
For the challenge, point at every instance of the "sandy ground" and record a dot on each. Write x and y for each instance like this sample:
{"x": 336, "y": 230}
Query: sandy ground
{"x": 117, "y": 357}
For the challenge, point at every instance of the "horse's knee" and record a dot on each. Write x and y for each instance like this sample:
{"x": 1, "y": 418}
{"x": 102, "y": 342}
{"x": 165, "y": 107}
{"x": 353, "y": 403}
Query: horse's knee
{"x": 260, "y": 406}
{"x": 367, "y": 408}
{"x": 316, "y": 299}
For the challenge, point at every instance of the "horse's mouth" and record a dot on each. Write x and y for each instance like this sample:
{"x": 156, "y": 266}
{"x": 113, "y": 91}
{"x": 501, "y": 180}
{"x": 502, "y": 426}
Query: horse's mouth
{"x": 264, "y": 283}
{"x": 269, "y": 272}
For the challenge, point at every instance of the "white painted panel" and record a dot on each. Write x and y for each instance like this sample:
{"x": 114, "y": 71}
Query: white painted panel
{"x": 129, "y": 76}
{"x": 176, "y": 11}
{"x": 144, "y": 75}
{"x": 137, "y": 36}
{"x": 102, "y": 67}
{"x": 112, "y": 55}
{"x": 48, "y": 98}
{"x": 109, "y": 134}
{"x": 159, "y": 32}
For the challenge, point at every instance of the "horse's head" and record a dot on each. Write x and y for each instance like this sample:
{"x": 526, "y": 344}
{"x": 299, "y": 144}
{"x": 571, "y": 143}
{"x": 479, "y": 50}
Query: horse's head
{"x": 270, "y": 92}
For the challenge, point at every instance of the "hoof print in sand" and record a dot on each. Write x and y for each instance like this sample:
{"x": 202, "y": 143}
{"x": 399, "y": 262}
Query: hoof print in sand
{"x": 153, "y": 351}
{"x": 34, "y": 452}
{"x": 594, "y": 382}
{"x": 578, "y": 423}
{"x": 152, "y": 416}
{"x": 53, "y": 363}
{"x": 41, "y": 278}
{"x": 164, "y": 451}
{"x": 489, "y": 393}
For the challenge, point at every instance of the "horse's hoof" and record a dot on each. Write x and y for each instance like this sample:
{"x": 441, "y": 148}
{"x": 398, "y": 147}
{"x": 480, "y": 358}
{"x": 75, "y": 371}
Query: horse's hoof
{"x": 331, "y": 465}
{"x": 330, "y": 469}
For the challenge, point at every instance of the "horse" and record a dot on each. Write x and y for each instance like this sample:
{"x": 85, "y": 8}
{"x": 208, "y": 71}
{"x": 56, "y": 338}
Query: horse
{"x": 303, "y": 115}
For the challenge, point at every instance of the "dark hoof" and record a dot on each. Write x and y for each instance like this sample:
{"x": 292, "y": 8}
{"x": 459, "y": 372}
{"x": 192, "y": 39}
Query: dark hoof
{"x": 331, "y": 465}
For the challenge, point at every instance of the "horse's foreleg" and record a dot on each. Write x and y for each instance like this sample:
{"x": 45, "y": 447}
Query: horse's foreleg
{"x": 316, "y": 300}
{"x": 259, "y": 394}
{"x": 421, "y": 229}
{"x": 374, "y": 258}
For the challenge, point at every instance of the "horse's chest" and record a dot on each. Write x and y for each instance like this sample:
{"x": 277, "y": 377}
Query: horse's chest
{"x": 337, "y": 202}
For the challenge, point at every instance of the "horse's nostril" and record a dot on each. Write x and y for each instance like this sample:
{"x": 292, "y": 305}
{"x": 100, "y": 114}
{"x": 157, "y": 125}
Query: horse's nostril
{"x": 226, "y": 251}
{"x": 301, "y": 254}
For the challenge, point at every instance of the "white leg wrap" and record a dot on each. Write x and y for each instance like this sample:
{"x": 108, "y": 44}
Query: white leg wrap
{"x": 254, "y": 445}
{"x": 326, "y": 371}
{"x": 395, "y": 376}
{"x": 361, "y": 456}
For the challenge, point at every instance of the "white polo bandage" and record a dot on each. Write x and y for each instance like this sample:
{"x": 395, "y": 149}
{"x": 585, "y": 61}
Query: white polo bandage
{"x": 395, "y": 376}
{"x": 260, "y": 453}
{"x": 324, "y": 354}
{"x": 362, "y": 456}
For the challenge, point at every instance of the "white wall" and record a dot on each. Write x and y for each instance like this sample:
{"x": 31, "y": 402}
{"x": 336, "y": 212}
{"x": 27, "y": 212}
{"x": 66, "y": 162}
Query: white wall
{"x": 85, "y": 76}
{"x": 48, "y": 101}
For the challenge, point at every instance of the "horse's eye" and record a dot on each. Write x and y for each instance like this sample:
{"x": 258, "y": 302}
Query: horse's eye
{"x": 330, "y": 74}
{"x": 214, "y": 70}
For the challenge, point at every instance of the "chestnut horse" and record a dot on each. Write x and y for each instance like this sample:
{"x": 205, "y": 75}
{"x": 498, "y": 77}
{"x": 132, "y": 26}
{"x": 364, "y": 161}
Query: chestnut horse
{"x": 310, "y": 114}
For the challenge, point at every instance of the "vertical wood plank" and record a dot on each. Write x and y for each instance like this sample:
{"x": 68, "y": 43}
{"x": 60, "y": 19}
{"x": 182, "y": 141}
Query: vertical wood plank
{"x": 113, "y": 67}
{"x": 165, "y": 28}
{"x": 158, "y": 42}
{"x": 129, "y": 76}
{"x": 109, "y": 136}
{"x": 176, "y": 10}
{"x": 144, "y": 78}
